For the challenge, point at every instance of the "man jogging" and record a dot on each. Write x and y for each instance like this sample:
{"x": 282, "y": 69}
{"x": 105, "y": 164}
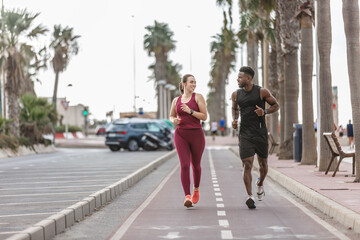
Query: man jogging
{"x": 253, "y": 135}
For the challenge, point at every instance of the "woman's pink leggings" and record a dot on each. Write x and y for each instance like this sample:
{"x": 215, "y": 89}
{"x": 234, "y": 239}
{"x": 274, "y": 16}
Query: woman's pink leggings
{"x": 190, "y": 144}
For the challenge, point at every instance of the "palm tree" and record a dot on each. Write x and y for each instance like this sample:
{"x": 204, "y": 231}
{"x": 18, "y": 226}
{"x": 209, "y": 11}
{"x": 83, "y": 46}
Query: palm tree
{"x": 223, "y": 49}
{"x": 249, "y": 34}
{"x": 172, "y": 75}
{"x": 159, "y": 42}
{"x": 64, "y": 43}
{"x": 326, "y": 114}
{"x": 17, "y": 25}
{"x": 351, "y": 24}
{"x": 306, "y": 16}
{"x": 280, "y": 78}
{"x": 36, "y": 117}
{"x": 289, "y": 34}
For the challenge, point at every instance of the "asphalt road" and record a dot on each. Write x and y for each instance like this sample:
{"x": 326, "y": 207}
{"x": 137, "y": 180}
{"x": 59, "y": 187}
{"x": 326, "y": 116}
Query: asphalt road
{"x": 153, "y": 209}
{"x": 37, "y": 186}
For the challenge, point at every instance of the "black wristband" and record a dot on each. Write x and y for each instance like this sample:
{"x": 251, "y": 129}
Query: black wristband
{"x": 191, "y": 112}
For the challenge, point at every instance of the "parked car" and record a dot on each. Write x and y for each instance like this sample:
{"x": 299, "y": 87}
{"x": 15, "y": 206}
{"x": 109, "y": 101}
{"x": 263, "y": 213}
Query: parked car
{"x": 127, "y": 133}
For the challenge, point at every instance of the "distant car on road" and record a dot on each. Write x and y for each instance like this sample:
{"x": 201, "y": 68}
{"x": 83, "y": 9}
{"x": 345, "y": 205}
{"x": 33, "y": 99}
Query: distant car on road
{"x": 127, "y": 133}
{"x": 100, "y": 130}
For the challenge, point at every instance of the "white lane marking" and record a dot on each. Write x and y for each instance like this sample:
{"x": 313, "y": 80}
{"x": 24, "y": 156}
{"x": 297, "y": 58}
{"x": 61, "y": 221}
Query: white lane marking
{"x": 313, "y": 216}
{"x": 219, "y": 199}
{"x": 217, "y": 189}
{"x": 32, "y": 203}
{"x": 59, "y": 181}
{"x": 16, "y": 168}
{"x": 215, "y": 181}
{"x": 125, "y": 226}
{"x": 216, "y": 185}
{"x": 53, "y": 187}
{"x": 220, "y": 205}
{"x": 214, "y": 178}
{"x": 27, "y": 214}
{"x": 68, "y": 177}
{"x": 218, "y": 194}
{"x": 171, "y": 235}
{"x": 221, "y": 213}
{"x": 42, "y": 194}
{"x": 224, "y": 223}
{"x": 226, "y": 234}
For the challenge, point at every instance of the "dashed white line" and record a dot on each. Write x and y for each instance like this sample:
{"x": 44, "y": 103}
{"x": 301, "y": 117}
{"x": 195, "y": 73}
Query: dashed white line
{"x": 218, "y": 194}
{"x": 215, "y": 185}
{"x": 217, "y": 189}
{"x": 219, "y": 199}
{"x": 226, "y": 234}
{"x": 223, "y": 223}
{"x": 220, "y": 205}
{"x": 221, "y": 213}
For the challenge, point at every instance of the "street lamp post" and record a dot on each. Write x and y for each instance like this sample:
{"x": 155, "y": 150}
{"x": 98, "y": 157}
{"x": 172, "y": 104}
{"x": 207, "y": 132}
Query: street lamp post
{"x": 160, "y": 85}
{"x": 190, "y": 61}
{"x": 169, "y": 87}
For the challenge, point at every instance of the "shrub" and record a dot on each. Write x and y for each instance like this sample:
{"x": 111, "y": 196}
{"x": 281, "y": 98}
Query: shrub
{"x": 61, "y": 129}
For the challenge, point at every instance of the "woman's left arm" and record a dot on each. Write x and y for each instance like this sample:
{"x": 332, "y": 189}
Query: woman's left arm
{"x": 200, "y": 101}
{"x": 202, "y": 114}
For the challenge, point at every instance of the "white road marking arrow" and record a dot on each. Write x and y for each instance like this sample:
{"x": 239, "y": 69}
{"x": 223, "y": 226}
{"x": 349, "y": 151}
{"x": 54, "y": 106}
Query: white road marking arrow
{"x": 278, "y": 228}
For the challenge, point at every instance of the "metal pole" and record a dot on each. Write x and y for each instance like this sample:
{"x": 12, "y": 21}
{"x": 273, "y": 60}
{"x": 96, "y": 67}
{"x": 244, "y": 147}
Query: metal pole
{"x": 134, "y": 63}
{"x": 190, "y": 61}
{"x": 317, "y": 84}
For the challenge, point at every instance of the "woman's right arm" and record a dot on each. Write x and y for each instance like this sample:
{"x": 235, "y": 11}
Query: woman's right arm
{"x": 173, "y": 115}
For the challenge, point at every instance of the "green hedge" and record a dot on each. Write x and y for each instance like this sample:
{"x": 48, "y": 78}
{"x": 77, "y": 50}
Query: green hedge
{"x": 61, "y": 129}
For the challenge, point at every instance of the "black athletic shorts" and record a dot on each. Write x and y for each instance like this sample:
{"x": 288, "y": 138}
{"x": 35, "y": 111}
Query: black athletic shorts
{"x": 248, "y": 146}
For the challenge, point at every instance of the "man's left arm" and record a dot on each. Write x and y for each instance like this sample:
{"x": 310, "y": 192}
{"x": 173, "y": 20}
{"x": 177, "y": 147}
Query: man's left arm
{"x": 270, "y": 99}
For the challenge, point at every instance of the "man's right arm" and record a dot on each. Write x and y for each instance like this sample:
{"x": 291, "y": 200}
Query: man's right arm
{"x": 234, "y": 110}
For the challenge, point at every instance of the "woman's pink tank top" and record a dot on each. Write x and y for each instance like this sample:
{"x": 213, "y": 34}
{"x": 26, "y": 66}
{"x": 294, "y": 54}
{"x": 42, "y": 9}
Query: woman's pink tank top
{"x": 188, "y": 121}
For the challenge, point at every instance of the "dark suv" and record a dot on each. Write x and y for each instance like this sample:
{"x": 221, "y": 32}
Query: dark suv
{"x": 127, "y": 133}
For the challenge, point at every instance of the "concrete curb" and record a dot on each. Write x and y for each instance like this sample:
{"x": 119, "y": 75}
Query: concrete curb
{"x": 57, "y": 223}
{"x": 343, "y": 215}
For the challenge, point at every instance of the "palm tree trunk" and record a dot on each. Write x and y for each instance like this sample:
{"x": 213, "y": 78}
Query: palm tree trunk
{"x": 308, "y": 131}
{"x": 291, "y": 87}
{"x": 55, "y": 89}
{"x": 274, "y": 89}
{"x": 326, "y": 112}
{"x": 289, "y": 34}
{"x": 252, "y": 52}
{"x": 351, "y": 24}
{"x": 12, "y": 87}
{"x": 222, "y": 91}
{"x": 280, "y": 79}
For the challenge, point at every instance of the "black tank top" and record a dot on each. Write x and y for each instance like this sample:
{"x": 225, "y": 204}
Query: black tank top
{"x": 251, "y": 125}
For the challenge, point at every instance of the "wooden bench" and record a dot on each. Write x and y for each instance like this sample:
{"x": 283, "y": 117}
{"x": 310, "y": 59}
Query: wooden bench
{"x": 272, "y": 143}
{"x": 336, "y": 150}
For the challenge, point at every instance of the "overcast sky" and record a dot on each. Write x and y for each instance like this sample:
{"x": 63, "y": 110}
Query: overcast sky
{"x": 102, "y": 73}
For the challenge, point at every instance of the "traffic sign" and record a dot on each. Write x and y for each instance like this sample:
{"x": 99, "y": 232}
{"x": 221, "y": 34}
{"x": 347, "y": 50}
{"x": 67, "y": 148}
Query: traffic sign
{"x": 65, "y": 104}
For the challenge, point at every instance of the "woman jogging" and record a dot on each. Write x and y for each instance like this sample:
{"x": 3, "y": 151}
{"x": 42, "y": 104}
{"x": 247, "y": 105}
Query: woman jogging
{"x": 186, "y": 112}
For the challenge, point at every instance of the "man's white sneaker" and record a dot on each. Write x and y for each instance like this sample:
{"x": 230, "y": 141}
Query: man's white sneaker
{"x": 260, "y": 191}
{"x": 250, "y": 202}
